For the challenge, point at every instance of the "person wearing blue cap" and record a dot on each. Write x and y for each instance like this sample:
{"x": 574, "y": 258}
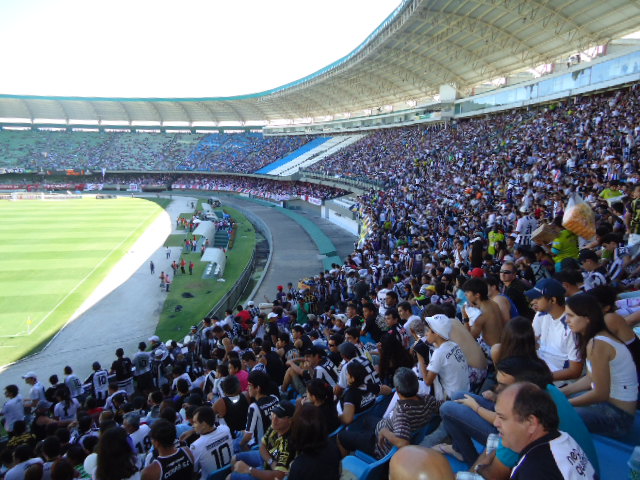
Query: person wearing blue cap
{"x": 557, "y": 344}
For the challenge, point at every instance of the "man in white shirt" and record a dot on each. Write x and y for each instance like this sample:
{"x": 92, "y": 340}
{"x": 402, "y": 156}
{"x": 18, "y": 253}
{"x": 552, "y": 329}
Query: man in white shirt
{"x": 381, "y": 297}
{"x": 447, "y": 371}
{"x": 556, "y": 343}
{"x": 139, "y": 434}
{"x": 22, "y": 460}
{"x": 214, "y": 449}
{"x": 407, "y": 316}
{"x": 73, "y": 383}
{"x": 13, "y": 409}
{"x": 36, "y": 394}
{"x": 524, "y": 228}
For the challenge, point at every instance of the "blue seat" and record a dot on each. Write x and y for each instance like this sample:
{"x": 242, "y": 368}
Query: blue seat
{"x": 382, "y": 402}
{"x": 633, "y": 437}
{"x": 220, "y": 474}
{"x": 364, "y": 467}
{"x": 613, "y": 457}
{"x": 430, "y": 427}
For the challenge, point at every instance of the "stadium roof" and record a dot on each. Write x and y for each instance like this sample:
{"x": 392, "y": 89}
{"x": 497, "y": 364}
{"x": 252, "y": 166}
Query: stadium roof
{"x": 422, "y": 45}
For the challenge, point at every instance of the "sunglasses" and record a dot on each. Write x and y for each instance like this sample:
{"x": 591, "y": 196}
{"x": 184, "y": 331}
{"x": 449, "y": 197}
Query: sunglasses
{"x": 507, "y": 272}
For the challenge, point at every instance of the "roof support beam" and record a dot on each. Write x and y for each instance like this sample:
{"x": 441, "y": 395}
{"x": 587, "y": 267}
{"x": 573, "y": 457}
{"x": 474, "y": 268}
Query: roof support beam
{"x": 125, "y": 111}
{"x": 28, "y": 108}
{"x": 549, "y": 18}
{"x": 205, "y": 106}
{"x": 432, "y": 68}
{"x": 235, "y": 110}
{"x": 153, "y": 107}
{"x": 184, "y": 110}
{"x": 64, "y": 111}
{"x": 486, "y": 31}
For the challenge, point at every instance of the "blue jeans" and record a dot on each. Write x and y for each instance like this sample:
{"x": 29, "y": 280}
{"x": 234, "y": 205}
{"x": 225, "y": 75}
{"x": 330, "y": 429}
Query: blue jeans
{"x": 606, "y": 419}
{"x": 463, "y": 424}
{"x": 251, "y": 458}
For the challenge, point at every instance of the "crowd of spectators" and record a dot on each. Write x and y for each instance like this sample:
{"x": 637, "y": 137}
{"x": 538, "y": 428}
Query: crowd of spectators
{"x": 93, "y": 151}
{"x": 447, "y": 298}
{"x": 257, "y": 186}
{"x": 242, "y": 153}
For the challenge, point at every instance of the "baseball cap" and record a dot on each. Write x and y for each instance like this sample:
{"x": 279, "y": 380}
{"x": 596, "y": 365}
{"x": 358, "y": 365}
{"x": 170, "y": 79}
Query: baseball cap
{"x": 440, "y": 324}
{"x": 161, "y": 354}
{"x": 315, "y": 350}
{"x": 194, "y": 399}
{"x": 547, "y": 287}
{"x": 284, "y": 409}
{"x": 154, "y": 338}
{"x": 250, "y": 303}
{"x": 588, "y": 255}
{"x": 477, "y": 272}
{"x": 30, "y": 375}
{"x": 272, "y": 315}
{"x": 341, "y": 316}
{"x": 194, "y": 327}
{"x": 348, "y": 349}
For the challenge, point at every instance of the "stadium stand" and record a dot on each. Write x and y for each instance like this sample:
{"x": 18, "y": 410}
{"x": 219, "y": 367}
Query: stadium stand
{"x": 316, "y": 155}
{"x": 294, "y": 157}
{"x": 61, "y": 150}
{"x": 459, "y": 215}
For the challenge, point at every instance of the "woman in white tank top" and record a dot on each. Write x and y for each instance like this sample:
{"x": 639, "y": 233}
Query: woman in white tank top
{"x": 608, "y": 405}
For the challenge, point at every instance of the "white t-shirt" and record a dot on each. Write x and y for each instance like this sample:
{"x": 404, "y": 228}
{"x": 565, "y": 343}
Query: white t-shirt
{"x": 525, "y": 226}
{"x": 63, "y": 412}
{"x": 37, "y": 393}
{"x": 382, "y": 300}
{"x": 12, "y": 410}
{"x": 17, "y": 472}
{"x": 449, "y": 363}
{"x": 74, "y": 384}
{"x": 142, "y": 362}
{"x": 141, "y": 442}
{"x": 556, "y": 341}
{"x": 410, "y": 321}
{"x": 212, "y": 451}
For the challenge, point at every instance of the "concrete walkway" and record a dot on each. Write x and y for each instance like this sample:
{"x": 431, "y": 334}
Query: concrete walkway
{"x": 123, "y": 311}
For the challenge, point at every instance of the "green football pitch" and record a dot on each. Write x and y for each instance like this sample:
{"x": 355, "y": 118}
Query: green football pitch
{"x": 53, "y": 254}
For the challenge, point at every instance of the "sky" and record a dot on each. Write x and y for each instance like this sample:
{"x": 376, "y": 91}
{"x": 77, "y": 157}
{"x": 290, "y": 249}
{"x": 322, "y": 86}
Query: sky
{"x": 160, "y": 48}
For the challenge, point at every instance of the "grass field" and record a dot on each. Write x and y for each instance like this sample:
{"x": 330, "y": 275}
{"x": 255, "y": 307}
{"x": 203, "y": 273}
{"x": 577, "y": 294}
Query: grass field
{"x": 54, "y": 254}
{"x": 205, "y": 292}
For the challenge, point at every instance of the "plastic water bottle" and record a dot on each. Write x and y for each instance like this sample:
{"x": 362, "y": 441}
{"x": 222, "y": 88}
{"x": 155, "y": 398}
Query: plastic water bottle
{"x": 493, "y": 440}
{"x": 634, "y": 464}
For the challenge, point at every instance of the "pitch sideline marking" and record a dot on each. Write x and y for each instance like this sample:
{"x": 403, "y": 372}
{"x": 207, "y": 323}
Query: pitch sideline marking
{"x": 34, "y": 328}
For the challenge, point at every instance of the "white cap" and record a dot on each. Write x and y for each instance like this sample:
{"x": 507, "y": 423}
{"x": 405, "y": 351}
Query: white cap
{"x": 30, "y": 375}
{"x": 272, "y": 315}
{"x": 161, "y": 354}
{"x": 440, "y": 324}
{"x": 154, "y": 338}
{"x": 250, "y": 303}
{"x": 341, "y": 316}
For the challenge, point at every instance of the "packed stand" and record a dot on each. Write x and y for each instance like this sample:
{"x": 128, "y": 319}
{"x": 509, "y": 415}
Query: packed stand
{"x": 242, "y": 153}
{"x": 60, "y": 150}
{"x": 257, "y": 186}
{"x": 471, "y": 313}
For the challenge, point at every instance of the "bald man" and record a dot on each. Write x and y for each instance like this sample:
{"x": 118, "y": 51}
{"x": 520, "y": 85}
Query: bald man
{"x": 413, "y": 462}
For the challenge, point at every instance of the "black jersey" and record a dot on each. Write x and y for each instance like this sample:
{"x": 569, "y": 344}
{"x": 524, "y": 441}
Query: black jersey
{"x": 178, "y": 466}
